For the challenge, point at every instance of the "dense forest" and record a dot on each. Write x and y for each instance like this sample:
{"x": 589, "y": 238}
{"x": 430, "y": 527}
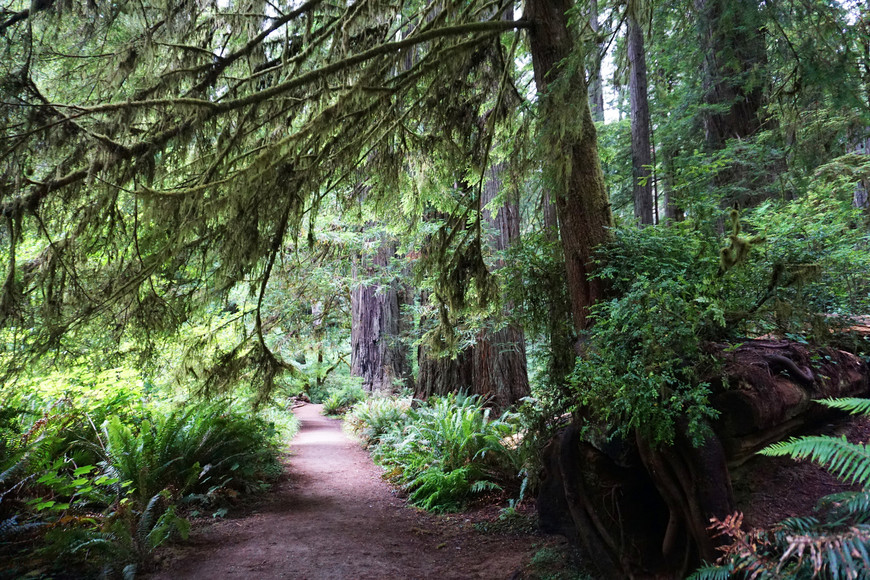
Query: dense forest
{"x": 615, "y": 247}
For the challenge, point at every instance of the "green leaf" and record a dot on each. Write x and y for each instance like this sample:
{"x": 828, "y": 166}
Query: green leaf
{"x": 84, "y": 469}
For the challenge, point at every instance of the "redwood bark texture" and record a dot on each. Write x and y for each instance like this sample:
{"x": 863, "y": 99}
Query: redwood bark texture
{"x": 499, "y": 358}
{"x": 443, "y": 375}
{"x": 579, "y": 191}
{"x": 641, "y": 150}
{"x": 733, "y": 47}
{"x": 378, "y": 355}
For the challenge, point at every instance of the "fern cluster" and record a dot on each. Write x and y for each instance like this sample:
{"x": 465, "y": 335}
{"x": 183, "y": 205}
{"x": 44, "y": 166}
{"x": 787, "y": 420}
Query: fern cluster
{"x": 99, "y": 490}
{"x": 834, "y": 543}
{"x": 340, "y": 400}
{"x": 443, "y": 451}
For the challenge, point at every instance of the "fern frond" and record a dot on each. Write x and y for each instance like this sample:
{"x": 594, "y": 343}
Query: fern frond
{"x": 484, "y": 485}
{"x": 841, "y": 554}
{"x": 713, "y": 572}
{"x": 848, "y": 461}
{"x": 853, "y": 405}
{"x": 848, "y": 504}
{"x": 148, "y": 518}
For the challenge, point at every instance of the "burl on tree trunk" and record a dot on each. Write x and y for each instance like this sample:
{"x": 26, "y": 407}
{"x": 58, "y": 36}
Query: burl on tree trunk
{"x": 642, "y": 512}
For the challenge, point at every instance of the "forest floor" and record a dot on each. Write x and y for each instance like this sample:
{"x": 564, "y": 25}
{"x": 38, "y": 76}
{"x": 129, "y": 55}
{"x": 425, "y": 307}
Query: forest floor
{"x": 333, "y": 516}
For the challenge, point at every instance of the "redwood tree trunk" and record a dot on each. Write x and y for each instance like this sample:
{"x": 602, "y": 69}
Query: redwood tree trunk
{"x": 499, "y": 359}
{"x": 682, "y": 485}
{"x": 378, "y": 355}
{"x": 441, "y": 375}
{"x": 733, "y": 47}
{"x": 573, "y": 166}
{"x": 641, "y": 151}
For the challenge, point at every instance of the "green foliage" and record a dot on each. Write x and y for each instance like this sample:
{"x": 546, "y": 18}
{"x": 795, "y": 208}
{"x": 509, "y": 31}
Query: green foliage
{"x": 554, "y": 563}
{"x": 835, "y": 544}
{"x": 645, "y": 362}
{"x": 373, "y": 418}
{"x": 101, "y": 498}
{"x": 443, "y": 451}
{"x": 848, "y": 461}
{"x": 816, "y": 261}
{"x": 639, "y": 370}
{"x": 196, "y": 450}
{"x": 342, "y": 399}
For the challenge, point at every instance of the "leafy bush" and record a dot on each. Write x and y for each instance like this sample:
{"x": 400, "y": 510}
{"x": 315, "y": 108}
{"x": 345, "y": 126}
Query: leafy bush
{"x": 682, "y": 286}
{"x": 194, "y": 450}
{"x": 835, "y": 543}
{"x": 443, "y": 451}
{"x": 343, "y": 399}
{"x": 104, "y": 498}
{"x": 373, "y": 418}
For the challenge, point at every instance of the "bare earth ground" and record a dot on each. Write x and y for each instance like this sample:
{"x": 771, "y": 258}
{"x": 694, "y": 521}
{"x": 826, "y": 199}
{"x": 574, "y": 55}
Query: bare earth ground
{"x": 334, "y": 517}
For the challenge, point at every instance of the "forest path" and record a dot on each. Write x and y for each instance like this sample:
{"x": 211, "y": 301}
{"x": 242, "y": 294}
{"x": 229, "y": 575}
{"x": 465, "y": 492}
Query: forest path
{"x": 333, "y": 516}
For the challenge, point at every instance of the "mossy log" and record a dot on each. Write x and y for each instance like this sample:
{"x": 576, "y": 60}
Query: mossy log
{"x": 641, "y": 511}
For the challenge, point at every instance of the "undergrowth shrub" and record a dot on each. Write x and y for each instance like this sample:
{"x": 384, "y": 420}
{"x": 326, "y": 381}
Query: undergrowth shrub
{"x": 443, "y": 451}
{"x": 99, "y": 497}
{"x": 373, "y": 418}
{"x": 195, "y": 450}
{"x": 341, "y": 400}
{"x": 794, "y": 269}
{"x": 832, "y": 543}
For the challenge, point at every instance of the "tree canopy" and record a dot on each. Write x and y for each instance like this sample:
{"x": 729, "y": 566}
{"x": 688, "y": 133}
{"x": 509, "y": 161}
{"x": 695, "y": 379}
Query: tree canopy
{"x": 164, "y": 153}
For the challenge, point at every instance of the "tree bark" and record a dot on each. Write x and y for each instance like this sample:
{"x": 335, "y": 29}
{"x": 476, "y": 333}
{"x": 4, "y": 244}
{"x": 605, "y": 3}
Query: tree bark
{"x": 596, "y": 83}
{"x": 442, "y": 375}
{"x": 673, "y": 213}
{"x": 573, "y": 166}
{"x": 733, "y": 48}
{"x": 499, "y": 358}
{"x": 378, "y": 355}
{"x": 641, "y": 151}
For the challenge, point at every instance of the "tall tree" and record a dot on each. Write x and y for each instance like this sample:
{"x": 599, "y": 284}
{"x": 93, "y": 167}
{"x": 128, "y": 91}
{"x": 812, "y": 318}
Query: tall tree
{"x": 641, "y": 147}
{"x": 732, "y": 42}
{"x": 570, "y": 144}
{"x": 499, "y": 355}
{"x": 596, "y": 83}
{"x": 379, "y": 355}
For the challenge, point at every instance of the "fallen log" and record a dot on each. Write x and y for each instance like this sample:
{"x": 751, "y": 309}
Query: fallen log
{"x": 641, "y": 511}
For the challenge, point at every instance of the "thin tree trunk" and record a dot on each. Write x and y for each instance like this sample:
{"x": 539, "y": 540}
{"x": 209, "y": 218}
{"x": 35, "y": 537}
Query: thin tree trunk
{"x": 641, "y": 155}
{"x": 596, "y": 84}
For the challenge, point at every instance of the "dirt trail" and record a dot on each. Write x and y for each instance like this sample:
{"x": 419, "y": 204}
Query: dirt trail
{"x": 334, "y": 517}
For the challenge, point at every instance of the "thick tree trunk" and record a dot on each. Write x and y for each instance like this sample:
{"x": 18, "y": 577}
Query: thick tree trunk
{"x": 442, "y": 375}
{"x": 378, "y": 355}
{"x": 499, "y": 358}
{"x": 641, "y": 151}
{"x": 573, "y": 166}
{"x": 733, "y": 47}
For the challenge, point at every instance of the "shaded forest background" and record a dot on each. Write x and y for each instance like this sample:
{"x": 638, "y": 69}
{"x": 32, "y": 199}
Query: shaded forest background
{"x": 249, "y": 201}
